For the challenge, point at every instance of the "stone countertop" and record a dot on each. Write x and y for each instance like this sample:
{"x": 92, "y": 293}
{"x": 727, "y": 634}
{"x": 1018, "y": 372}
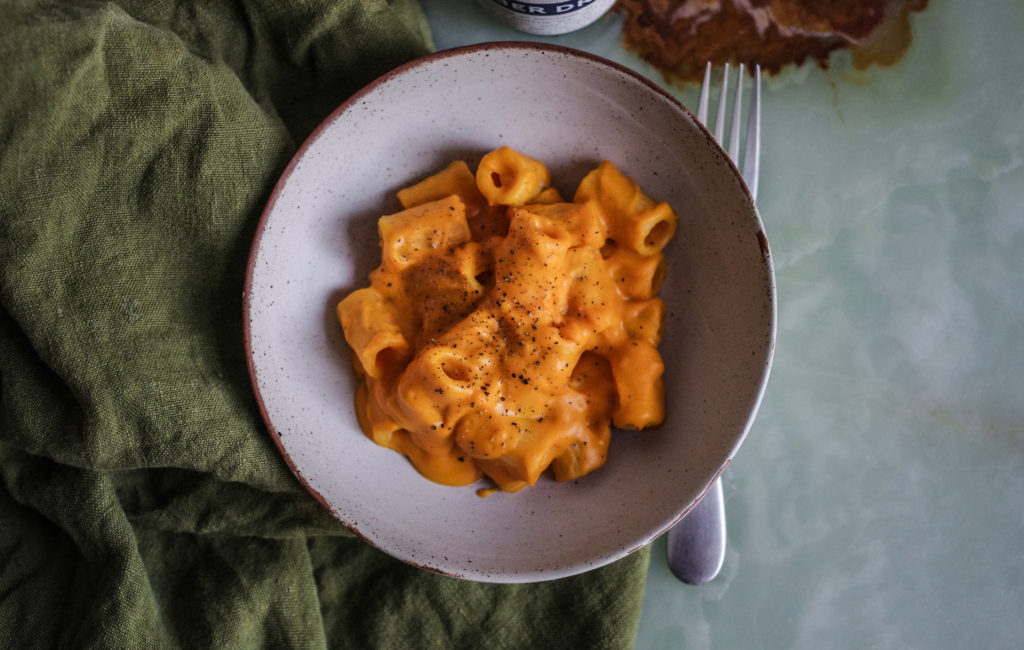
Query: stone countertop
{"x": 879, "y": 498}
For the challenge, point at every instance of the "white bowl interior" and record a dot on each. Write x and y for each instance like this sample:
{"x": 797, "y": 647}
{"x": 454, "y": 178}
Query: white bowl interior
{"x": 317, "y": 241}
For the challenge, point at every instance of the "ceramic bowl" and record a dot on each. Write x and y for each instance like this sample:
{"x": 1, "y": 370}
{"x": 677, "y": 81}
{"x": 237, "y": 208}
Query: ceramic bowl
{"x": 317, "y": 241}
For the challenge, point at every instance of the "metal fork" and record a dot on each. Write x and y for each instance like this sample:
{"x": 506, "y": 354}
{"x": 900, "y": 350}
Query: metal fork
{"x": 696, "y": 545}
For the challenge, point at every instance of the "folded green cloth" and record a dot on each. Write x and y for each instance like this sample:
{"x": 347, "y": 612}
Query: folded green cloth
{"x": 142, "y": 503}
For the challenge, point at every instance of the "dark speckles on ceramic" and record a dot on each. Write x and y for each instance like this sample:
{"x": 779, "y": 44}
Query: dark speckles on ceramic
{"x": 317, "y": 241}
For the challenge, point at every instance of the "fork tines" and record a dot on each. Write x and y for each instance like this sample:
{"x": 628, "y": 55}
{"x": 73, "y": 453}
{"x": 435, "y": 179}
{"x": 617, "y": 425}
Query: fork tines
{"x": 751, "y": 160}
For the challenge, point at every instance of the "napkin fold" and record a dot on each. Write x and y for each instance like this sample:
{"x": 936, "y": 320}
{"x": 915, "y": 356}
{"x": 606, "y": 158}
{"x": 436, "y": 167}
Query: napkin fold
{"x": 142, "y": 502}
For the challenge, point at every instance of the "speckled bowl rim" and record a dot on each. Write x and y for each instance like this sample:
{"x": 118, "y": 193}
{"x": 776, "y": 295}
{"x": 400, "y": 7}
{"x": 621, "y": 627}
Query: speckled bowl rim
{"x": 495, "y": 46}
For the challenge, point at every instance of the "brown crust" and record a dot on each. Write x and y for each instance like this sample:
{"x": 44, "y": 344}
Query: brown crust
{"x": 680, "y": 36}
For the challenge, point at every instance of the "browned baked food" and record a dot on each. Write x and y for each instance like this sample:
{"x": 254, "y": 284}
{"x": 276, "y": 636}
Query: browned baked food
{"x": 680, "y": 36}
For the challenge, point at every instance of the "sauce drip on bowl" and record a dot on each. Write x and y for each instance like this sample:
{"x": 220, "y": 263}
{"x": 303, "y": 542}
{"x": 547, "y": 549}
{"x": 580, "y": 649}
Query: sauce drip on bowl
{"x": 680, "y": 36}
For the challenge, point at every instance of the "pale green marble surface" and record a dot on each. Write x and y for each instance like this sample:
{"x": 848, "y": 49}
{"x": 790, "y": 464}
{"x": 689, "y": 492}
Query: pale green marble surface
{"x": 879, "y": 499}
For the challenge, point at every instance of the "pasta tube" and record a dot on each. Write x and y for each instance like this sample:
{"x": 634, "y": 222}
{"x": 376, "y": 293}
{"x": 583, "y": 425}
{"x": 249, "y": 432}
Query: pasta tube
{"x": 455, "y": 179}
{"x": 507, "y": 177}
{"x": 636, "y": 276}
{"x": 644, "y": 319}
{"x": 637, "y": 369}
{"x": 633, "y": 219}
{"x": 426, "y": 230}
{"x": 372, "y": 331}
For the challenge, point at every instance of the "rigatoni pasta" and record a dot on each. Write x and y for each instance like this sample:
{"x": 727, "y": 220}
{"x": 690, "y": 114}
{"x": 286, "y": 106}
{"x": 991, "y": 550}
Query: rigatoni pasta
{"x": 507, "y": 177}
{"x": 506, "y": 330}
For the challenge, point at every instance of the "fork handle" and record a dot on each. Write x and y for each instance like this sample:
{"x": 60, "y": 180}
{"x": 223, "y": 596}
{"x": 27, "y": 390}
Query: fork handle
{"x": 696, "y": 545}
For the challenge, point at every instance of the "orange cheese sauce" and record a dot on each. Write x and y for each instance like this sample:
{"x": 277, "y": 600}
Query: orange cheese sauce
{"x": 507, "y": 329}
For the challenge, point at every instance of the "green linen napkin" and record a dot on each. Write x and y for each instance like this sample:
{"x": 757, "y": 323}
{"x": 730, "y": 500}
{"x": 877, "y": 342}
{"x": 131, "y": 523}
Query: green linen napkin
{"x": 142, "y": 503}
